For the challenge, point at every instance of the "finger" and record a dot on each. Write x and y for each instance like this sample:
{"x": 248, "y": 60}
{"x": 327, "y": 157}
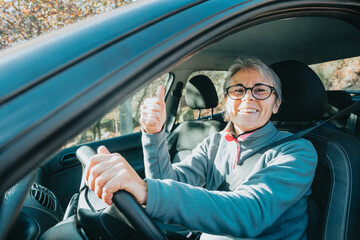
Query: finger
{"x": 94, "y": 160}
{"x": 101, "y": 180}
{"x": 160, "y": 93}
{"x": 107, "y": 197}
{"x": 98, "y": 164}
{"x": 112, "y": 186}
{"x": 88, "y": 169}
{"x": 150, "y": 109}
{"x": 95, "y": 172}
{"x": 154, "y": 107}
{"x": 150, "y": 122}
{"x": 152, "y": 101}
{"x": 155, "y": 115}
{"x": 103, "y": 150}
{"x": 99, "y": 184}
{"x": 87, "y": 172}
{"x": 105, "y": 171}
{"x": 103, "y": 155}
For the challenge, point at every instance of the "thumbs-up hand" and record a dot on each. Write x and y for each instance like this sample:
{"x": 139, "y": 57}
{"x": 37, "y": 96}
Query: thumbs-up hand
{"x": 153, "y": 112}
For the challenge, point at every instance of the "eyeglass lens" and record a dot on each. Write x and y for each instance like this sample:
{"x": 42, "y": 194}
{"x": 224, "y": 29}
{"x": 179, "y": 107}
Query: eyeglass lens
{"x": 258, "y": 92}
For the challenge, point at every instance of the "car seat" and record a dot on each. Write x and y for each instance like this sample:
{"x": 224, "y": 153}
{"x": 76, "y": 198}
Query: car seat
{"x": 339, "y": 100}
{"x": 333, "y": 207}
{"x": 299, "y": 111}
{"x": 200, "y": 93}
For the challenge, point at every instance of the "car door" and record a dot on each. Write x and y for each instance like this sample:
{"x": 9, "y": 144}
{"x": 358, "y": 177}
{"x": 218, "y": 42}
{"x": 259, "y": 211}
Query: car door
{"x": 62, "y": 174}
{"x": 118, "y": 130}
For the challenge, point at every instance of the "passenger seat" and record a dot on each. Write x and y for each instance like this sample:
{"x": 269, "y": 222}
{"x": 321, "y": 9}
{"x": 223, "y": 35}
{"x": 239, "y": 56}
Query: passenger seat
{"x": 200, "y": 93}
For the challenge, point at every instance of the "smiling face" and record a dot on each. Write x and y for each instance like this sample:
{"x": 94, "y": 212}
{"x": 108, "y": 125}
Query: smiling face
{"x": 248, "y": 113}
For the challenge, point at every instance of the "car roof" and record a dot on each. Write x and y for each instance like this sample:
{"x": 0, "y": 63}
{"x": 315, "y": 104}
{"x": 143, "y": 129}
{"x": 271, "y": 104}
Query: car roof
{"x": 293, "y": 38}
{"x": 54, "y": 86}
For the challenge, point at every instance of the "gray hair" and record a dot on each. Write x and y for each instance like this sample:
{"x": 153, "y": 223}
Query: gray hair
{"x": 254, "y": 63}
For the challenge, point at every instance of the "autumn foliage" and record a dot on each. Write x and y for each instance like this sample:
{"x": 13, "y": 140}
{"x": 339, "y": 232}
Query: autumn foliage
{"x": 24, "y": 19}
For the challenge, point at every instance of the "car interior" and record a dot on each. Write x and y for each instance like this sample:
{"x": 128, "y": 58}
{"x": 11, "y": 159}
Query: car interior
{"x": 289, "y": 45}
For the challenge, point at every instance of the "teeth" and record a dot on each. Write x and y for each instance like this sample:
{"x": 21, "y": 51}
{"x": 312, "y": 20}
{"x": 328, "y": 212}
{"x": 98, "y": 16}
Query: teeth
{"x": 248, "y": 110}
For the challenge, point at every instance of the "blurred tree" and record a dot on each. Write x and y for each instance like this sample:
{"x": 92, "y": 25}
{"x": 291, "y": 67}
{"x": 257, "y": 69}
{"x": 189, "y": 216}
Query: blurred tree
{"x": 21, "y": 20}
{"x": 340, "y": 74}
{"x": 126, "y": 122}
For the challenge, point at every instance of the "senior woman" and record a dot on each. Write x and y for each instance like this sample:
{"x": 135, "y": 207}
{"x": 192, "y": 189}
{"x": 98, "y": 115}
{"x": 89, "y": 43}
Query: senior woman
{"x": 269, "y": 203}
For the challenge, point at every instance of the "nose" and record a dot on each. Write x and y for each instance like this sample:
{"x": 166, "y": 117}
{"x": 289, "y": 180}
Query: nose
{"x": 248, "y": 95}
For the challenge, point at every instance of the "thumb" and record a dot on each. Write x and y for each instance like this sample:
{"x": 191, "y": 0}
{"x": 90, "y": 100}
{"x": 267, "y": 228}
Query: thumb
{"x": 103, "y": 150}
{"x": 160, "y": 93}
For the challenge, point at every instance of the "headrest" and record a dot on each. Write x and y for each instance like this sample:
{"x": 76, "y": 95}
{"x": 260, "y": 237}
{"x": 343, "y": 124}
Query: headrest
{"x": 200, "y": 93}
{"x": 304, "y": 95}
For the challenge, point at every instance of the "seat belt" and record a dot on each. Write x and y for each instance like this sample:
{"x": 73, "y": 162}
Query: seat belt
{"x": 174, "y": 106}
{"x": 236, "y": 177}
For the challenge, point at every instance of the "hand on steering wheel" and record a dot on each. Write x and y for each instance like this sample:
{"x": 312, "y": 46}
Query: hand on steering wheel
{"x": 125, "y": 201}
{"x": 107, "y": 173}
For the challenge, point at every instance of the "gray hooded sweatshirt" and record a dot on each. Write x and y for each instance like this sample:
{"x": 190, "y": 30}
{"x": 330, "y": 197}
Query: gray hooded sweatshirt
{"x": 270, "y": 203}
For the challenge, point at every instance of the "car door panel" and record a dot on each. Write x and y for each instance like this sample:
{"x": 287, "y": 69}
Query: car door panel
{"x": 62, "y": 174}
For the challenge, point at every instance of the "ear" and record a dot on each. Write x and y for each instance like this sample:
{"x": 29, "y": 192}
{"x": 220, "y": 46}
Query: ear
{"x": 276, "y": 106}
{"x": 226, "y": 102}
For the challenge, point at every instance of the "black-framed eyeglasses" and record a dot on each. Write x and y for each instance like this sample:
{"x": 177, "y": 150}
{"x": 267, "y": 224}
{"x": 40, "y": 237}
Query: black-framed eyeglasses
{"x": 260, "y": 91}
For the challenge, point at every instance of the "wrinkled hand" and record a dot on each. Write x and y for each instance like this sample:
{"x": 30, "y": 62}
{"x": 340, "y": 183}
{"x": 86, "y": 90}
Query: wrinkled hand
{"x": 109, "y": 172}
{"x": 153, "y": 112}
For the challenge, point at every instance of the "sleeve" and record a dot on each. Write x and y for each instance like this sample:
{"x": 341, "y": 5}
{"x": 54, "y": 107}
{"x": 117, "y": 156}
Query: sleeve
{"x": 158, "y": 165}
{"x": 247, "y": 211}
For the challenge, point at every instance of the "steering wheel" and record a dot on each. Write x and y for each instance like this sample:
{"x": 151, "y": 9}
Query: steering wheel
{"x": 12, "y": 201}
{"x": 127, "y": 205}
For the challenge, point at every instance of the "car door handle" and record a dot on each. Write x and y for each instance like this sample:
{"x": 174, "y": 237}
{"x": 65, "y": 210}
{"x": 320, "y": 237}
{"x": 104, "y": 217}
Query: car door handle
{"x": 69, "y": 159}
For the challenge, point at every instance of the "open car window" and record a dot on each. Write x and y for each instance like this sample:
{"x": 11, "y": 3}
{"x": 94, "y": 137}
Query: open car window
{"x": 124, "y": 118}
{"x": 343, "y": 74}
